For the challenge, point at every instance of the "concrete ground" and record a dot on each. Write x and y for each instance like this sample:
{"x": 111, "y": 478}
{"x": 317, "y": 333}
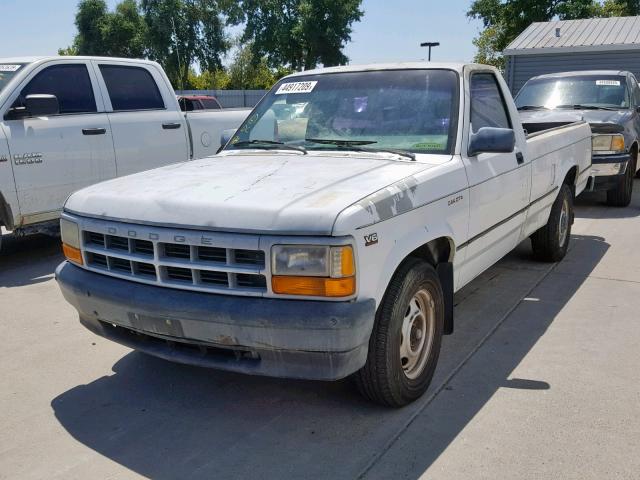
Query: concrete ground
{"x": 540, "y": 380}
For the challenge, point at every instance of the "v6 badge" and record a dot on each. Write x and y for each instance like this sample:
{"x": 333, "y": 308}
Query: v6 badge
{"x": 370, "y": 239}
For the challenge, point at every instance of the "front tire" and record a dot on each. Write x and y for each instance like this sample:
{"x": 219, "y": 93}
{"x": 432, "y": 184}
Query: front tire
{"x": 406, "y": 338}
{"x": 551, "y": 242}
{"x": 621, "y": 195}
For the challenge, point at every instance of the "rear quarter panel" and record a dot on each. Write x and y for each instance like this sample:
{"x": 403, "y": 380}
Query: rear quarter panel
{"x": 207, "y": 127}
{"x": 553, "y": 153}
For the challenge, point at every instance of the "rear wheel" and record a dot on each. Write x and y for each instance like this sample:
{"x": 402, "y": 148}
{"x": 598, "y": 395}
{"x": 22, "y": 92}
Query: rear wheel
{"x": 405, "y": 342}
{"x": 621, "y": 195}
{"x": 550, "y": 243}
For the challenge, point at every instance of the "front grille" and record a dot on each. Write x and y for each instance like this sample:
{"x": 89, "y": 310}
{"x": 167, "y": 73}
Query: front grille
{"x": 175, "y": 261}
{"x": 212, "y": 254}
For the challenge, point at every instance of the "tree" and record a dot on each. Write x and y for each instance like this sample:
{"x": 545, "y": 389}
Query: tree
{"x": 124, "y": 31}
{"x": 300, "y": 34}
{"x": 216, "y": 80}
{"x": 504, "y": 21}
{"x": 182, "y": 32}
{"x": 113, "y": 34}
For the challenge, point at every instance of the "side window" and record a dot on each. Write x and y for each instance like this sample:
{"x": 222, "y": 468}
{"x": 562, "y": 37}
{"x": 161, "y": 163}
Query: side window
{"x": 635, "y": 98}
{"x": 131, "y": 88}
{"x": 487, "y": 104}
{"x": 71, "y": 85}
{"x": 211, "y": 104}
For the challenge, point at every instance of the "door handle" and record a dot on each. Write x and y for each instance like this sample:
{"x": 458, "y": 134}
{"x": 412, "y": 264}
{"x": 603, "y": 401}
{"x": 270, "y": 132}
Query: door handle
{"x": 520, "y": 158}
{"x": 171, "y": 126}
{"x": 94, "y": 131}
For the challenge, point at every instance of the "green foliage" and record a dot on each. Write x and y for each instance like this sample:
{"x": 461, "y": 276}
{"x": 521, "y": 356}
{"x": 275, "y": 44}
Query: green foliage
{"x": 216, "y": 80}
{"x": 504, "y": 20}
{"x": 299, "y": 33}
{"x": 280, "y": 36}
{"x": 486, "y": 52}
{"x": 248, "y": 73}
{"x": 113, "y": 34}
{"x": 181, "y": 32}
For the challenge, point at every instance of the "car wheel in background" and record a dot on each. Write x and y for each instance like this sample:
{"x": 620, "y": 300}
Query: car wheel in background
{"x": 621, "y": 195}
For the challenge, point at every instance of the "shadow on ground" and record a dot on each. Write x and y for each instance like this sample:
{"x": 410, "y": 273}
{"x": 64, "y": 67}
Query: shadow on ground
{"x": 28, "y": 260}
{"x": 168, "y": 421}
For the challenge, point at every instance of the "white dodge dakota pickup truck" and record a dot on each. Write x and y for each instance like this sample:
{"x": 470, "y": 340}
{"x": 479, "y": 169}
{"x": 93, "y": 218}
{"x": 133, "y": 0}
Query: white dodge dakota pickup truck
{"x": 69, "y": 122}
{"x": 330, "y": 234}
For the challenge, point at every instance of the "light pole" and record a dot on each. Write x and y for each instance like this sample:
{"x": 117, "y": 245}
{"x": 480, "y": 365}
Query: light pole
{"x": 430, "y": 45}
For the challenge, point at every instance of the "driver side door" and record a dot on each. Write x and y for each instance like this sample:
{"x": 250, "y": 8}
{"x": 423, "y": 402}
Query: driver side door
{"x": 56, "y": 155}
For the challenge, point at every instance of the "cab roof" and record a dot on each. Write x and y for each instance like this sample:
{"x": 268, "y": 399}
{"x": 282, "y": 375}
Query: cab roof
{"x": 455, "y": 66}
{"x": 584, "y": 73}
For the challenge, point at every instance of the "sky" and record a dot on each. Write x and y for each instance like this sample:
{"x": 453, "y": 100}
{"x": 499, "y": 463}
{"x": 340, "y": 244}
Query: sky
{"x": 389, "y": 30}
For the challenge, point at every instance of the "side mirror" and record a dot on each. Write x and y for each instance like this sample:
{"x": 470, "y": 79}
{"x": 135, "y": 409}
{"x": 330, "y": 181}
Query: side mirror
{"x": 491, "y": 140}
{"x": 226, "y": 136}
{"x": 42, "y": 105}
{"x": 638, "y": 109}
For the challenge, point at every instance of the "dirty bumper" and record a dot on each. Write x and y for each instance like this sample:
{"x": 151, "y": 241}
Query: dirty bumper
{"x": 281, "y": 338}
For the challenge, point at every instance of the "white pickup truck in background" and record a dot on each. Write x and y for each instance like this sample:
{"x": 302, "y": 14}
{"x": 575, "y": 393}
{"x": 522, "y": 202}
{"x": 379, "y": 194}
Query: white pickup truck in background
{"x": 69, "y": 122}
{"x": 330, "y": 234}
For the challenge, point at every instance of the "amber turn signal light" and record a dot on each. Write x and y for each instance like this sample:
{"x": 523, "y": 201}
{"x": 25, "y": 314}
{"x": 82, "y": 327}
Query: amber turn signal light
{"x": 314, "y": 286}
{"x": 72, "y": 254}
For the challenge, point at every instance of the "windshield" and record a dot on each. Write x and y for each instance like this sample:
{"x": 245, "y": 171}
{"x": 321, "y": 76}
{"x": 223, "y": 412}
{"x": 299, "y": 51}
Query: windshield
{"x": 402, "y": 110}
{"x": 570, "y": 92}
{"x": 7, "y": 72}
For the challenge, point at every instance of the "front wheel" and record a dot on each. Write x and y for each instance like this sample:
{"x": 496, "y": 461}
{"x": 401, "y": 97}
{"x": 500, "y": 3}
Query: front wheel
{"x": 621, "y": 195}
{"x": 405, "y": 342}
{"x": 551, "y": 242}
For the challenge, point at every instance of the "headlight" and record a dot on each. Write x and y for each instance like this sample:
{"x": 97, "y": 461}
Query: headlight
{"x": 313, "y": 270}
{"x": 607, "y": 143}
{"x": 70, "y": 234}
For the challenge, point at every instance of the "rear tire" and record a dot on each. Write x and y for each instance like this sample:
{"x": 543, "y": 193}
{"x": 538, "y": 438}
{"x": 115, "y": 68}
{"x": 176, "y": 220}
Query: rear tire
{"x": 621, "y": 195}
{"x": 551, "y": 242}
{"x": 406, "y": 338}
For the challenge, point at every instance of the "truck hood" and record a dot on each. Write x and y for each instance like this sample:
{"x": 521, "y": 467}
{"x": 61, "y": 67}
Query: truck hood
{"x": 562, "y": 116}
{"x": 257, "y": 193}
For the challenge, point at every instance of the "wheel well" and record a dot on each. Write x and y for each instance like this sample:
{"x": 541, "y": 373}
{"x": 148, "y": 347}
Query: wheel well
{"x": 6, "y": 217}
{"x": 570, "y": 178}
{"x": 435, "y": 252}
{"x": 439, "y": 253}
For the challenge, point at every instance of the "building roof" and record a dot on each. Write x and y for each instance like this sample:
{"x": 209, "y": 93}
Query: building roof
{"x": 589, "y": 35}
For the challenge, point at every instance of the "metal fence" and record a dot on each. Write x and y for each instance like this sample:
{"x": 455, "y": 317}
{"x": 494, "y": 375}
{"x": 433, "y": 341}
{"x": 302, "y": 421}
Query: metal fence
{"x": 230, "y": 98}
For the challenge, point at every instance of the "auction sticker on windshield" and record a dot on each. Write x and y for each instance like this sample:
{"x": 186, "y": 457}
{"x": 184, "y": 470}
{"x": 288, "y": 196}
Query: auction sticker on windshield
{"x": 296, "y": 87}
{"x": 9, "y": 68}
{"x": 612, "y": 83}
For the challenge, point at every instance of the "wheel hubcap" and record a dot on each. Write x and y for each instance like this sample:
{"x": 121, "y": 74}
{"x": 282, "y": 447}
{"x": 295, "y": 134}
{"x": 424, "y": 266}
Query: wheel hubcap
{"x": 418, "y": 328}
{"x": 564, "y": 223}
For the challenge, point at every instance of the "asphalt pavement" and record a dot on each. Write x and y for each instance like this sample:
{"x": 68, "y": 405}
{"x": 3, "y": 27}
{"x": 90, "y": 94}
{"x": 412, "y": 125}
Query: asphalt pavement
{"x": 541, "y": 379}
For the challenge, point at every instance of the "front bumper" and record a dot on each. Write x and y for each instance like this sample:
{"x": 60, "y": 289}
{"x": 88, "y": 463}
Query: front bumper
{"x": 262, "y": 336}
{"x": 608, "y": 170}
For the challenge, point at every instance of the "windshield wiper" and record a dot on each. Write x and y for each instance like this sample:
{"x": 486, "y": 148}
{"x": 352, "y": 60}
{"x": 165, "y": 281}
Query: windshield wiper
{"x": 340, "y": 143}
{"x": 356, "y": 146}
{"x": 579, "y": 106}
{"x": 270, "y": 145}
{"x": 532, "y": 107}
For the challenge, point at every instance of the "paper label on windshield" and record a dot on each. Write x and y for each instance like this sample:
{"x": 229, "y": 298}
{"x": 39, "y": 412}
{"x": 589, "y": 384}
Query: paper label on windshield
{"x": 9, "y": 68}
{"x": 296, "y": 87}
{"x": 611, "y": 83}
